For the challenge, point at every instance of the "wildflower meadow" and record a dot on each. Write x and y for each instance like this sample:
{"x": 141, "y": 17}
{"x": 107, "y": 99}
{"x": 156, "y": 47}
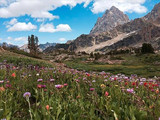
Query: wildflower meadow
{"x": 32, "y": 92}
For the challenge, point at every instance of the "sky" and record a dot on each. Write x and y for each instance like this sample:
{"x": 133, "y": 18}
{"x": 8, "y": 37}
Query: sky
{"x": 57, "y": 21}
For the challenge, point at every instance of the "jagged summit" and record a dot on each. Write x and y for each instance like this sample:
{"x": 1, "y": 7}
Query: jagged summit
{"x": 109, "y": 20}
{"x": 113, "y": 8}
{"x": 154, "y": 14}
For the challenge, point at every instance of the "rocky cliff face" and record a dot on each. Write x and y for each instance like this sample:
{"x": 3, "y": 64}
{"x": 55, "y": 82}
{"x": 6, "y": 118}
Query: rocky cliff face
{"x": 154, "y": 14}
{"x": 109, "y": 20}
{"x": 123, "y": 34}
{"x": 148, "y": 34}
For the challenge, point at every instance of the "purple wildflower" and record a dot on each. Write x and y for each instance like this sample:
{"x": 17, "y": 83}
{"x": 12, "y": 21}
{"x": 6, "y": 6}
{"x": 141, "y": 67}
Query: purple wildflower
{"x": 141, "y": 83}
{"x": 2, "y": 81}
{"x": 52, "y": 80}
{"x": 40, "y": 80}
{"x": 27, "y": 94}
{"x": 94, "y": 81}
{"x": 43, "y": 86}
{"x": 92, "y": 89}
{"x": 58, "y": 86}
{"x": 105, "y": 80}
{"x": 8, "y": 85}
{"x": 130, "y": 90}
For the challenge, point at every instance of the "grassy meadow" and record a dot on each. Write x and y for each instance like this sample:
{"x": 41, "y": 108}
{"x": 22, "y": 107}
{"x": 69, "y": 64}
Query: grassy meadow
{"x": 33, "y": 89}
{"x": 147, "y": 65}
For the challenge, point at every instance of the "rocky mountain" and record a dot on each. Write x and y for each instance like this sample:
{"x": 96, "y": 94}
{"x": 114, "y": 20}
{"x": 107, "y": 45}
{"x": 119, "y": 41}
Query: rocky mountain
{"x": 42, "y": 47}
{"x": 122, "y": 35}
{"x": 46, "y": 45}
{"x": 144, "y": 30}
{"x": 8, "y": 45}
{"x": 154, "y": 14}
{"x": 57, "y": 47}
{"x": 109, "y": 20}
{"x": 24, "y": 48}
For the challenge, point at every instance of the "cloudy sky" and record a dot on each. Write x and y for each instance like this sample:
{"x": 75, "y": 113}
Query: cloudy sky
{"x": 59, "y": 20}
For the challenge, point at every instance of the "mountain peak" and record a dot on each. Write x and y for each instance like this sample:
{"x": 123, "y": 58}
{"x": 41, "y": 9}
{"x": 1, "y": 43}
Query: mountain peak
{"x": 109, "y": 20}
{"x": 113, "y": 8}
{"x": 154, "y": 14}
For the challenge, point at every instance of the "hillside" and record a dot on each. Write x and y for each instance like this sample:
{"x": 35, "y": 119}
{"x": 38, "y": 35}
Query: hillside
{"x": 19, "y": 59}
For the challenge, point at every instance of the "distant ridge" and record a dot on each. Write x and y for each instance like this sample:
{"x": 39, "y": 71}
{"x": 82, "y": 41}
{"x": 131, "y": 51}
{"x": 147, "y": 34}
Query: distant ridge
{"x": 42, "y": 47}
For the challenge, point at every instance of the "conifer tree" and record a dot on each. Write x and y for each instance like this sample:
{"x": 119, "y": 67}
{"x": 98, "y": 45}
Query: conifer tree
{"x": 33, "y": 44}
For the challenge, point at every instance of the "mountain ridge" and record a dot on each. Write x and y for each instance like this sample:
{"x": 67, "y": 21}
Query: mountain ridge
{"x": 42, "y": 47}
{"x": 136, "y": 32}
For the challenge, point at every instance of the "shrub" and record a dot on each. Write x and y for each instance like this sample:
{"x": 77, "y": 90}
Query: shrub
{"x": 147, "y": 48}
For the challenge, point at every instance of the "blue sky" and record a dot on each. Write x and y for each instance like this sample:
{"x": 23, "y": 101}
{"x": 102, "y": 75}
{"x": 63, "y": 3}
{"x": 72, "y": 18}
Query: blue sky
{"x": 59, "y": 21}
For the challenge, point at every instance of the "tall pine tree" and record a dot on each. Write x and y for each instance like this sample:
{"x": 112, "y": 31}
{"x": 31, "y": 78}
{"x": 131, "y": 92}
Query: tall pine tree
{"x": 33, "y": 44}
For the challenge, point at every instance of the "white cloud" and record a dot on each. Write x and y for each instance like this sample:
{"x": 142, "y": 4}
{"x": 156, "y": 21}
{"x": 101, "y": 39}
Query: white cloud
{"x": 47, "y": 28}
{"x": 50, "y": 28}
{"x": 13, "y": 21}
{"x": 9, "y": 38}
{"x": 123, "y": 5}
{"x": 10, "y": 23}
{"x": 22, "y": 26}
{"x": 36, "y": 8}
{"x": 24, "y": 39}
{"x": 40, "y": 20}
{"x": 0, "y": 39}
{"x": 63, "y": 27}
{"x": 62, "y": 39}
{"x": 41, "y": 8}
{"x": 21, "y": 41}
{"x": 8, "y": 42}
{"x": 87, "y": 2}
{"x": 14, "y": 25}
{"x": 17, "y": 41}
{"x": 3, "y": 2}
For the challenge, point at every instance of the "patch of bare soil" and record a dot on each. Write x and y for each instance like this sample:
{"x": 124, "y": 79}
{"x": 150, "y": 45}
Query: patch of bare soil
{"x": 1, "y": 49}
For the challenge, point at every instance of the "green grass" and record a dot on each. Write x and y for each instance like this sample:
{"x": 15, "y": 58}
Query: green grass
{"x": 22, "y": 60}
{"x": 143, "y": 65}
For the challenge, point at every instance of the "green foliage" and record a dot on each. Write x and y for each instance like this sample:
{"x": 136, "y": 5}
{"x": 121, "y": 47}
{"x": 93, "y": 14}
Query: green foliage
{"x": 121, "y": 51}
{"x": 91, "y": 55}
{"x": 18, "y": 51}
{"x": 114, "y": 57}
{"x": 147, "y": 48}
{"x": 33, "y": 44}
{"x": 97, "y": 56}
